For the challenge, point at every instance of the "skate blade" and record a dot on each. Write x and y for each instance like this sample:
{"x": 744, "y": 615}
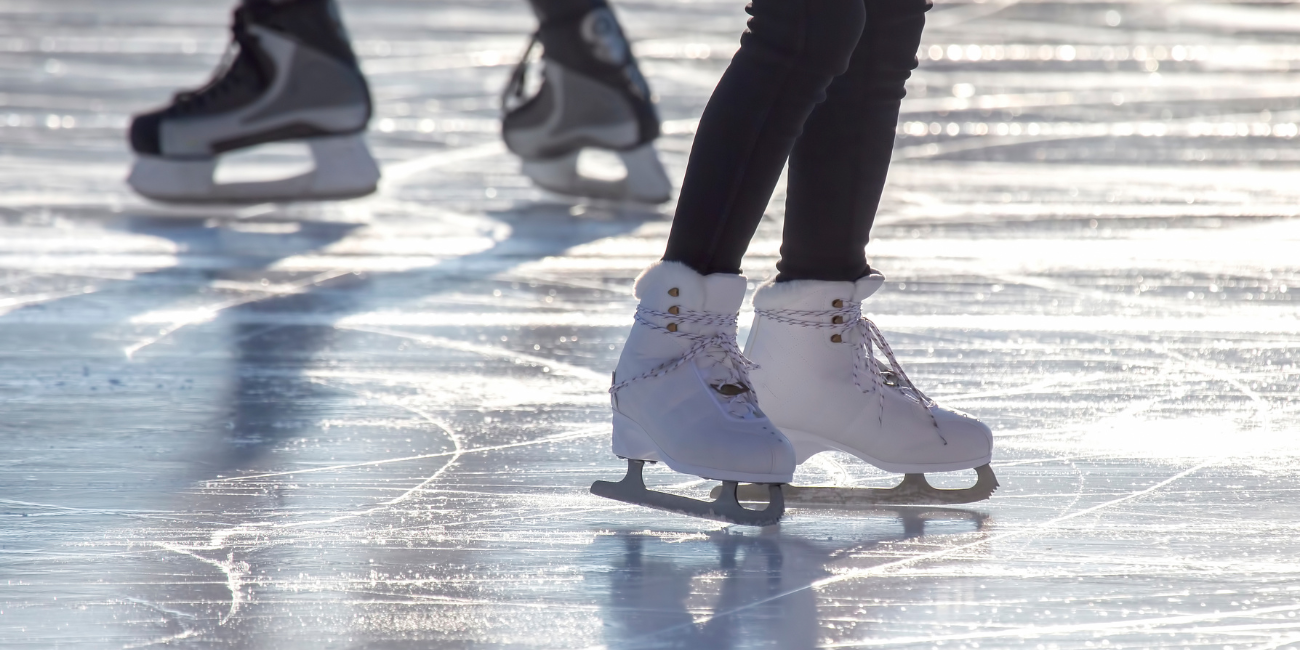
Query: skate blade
{"x": 914, "y": 490}
{"x": 344, "y": 169}
{"x": 725, "y": 506}
{"x": 645, "y": 181}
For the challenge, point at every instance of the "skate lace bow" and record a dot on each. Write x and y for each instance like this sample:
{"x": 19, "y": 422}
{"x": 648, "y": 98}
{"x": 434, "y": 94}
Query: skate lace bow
{"x": 721, "y": 346}
{"x": 869, "y": 340}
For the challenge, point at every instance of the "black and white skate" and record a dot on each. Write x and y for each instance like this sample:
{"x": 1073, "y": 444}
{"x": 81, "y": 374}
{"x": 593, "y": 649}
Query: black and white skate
{"x": 289, "y": 76}
{"x": 914, "y": 490}
{"x": 724, "y": 507}
{"x": 590, "y": 95}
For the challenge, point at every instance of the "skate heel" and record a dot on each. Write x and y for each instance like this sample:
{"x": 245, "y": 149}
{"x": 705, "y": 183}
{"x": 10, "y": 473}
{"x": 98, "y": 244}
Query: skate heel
{"x": 645, "y": 180}
{"x": 344, "y": 166}
{"x": 631, "y": 441}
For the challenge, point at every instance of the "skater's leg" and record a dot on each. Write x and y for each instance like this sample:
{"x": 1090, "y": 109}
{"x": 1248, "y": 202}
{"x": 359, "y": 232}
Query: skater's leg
{"x": 825, "y": 374}
{"x": 787, "y": 58}
{"x": 838, "y": 166}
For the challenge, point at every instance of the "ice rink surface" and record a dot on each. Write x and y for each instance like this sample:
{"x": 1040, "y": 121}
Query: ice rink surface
{"x": 373, "y": 423}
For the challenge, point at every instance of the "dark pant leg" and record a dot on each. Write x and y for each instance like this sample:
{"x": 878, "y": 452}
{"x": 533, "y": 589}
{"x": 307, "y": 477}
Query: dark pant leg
{"x": 788, "y": 56}
{"x": 548, "y": 10}
{"x": 839, "y": 164}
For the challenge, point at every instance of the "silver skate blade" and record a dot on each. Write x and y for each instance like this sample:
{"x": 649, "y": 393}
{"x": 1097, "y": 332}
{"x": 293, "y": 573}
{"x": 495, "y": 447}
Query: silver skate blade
{"x": 724, "y": 507}
{"x": 645, "y": 182}
{"x": 343, "y": 169}
{"x": 914, "y": 490}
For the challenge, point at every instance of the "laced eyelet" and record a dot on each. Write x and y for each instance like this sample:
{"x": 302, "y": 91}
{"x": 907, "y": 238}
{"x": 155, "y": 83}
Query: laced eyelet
{"x": 838, "y": 320}
{"x": 731, "y": 390}
{"x": 672, "y": 327}
{"x": 674, "y": 310}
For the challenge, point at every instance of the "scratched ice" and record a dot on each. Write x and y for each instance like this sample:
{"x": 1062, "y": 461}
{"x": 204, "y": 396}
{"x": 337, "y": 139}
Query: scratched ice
{"x": 372, "y": 424}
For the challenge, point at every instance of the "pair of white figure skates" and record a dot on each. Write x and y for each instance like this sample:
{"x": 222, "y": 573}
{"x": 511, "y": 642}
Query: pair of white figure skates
{"x": 685, "y": 395}
{"x": 291, "y": 76}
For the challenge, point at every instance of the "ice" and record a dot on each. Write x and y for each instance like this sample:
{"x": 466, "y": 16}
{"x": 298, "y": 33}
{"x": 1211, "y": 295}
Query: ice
{"x": 373, "y": 423}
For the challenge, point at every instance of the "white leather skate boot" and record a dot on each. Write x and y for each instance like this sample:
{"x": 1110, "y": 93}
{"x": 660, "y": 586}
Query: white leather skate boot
{"x": 682, "y": 396}
{"x": 828, "y": 379}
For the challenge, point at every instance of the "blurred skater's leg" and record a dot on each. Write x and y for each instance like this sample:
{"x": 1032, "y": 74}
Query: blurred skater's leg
{"x": 289, "y": 75}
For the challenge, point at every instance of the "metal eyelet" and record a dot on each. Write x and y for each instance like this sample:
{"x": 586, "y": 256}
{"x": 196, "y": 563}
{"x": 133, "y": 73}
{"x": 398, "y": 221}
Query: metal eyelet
{"x": 836, "y": 338}
{"x": 672, "y": 327}
{"x": 837, "y": 303}
{"x": 674, "y": 292}
{"x": 838, "y": 320}
{"x": 674, "y": 310}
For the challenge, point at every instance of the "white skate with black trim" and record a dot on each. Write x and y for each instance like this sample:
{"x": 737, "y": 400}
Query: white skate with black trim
{"x": 822, "y": 379}
{"x": 290, "y": 75}
{"x": 681, "y": 396}
{"x": 590, "y": 95}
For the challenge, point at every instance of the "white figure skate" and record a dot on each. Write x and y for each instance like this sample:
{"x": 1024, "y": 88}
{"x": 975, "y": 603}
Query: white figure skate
{"x": 681, "y": 396}
{"x": 290, "y": 76}
{"x": 822, "y": 380}
{"x": 591, "y": 95}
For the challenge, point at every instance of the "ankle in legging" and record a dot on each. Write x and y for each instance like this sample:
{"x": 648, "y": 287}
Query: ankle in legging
{"x": 817, "y": 82}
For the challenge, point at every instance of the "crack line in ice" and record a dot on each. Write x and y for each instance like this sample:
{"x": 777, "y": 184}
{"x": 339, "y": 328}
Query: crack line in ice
{"x": 425, "y": 599}
{"x": 156, "y": 606}
{"x": 233, "y": 571}
{"x": 204, "y": 314}
{"x": 557, "y": 367}
{"x": 94, "y": 511}
{"x": 1030, "y": 632}
{"x": 219, "y": 538}
{"x": 165, "y": 640}
{"x": 473, "y": 450}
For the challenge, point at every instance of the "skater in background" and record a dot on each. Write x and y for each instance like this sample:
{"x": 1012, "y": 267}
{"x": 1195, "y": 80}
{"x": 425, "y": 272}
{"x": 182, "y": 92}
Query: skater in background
{"x": 291, "y": 75}
{"x": 592, "y": 95}
{"x": 817, "y": 83}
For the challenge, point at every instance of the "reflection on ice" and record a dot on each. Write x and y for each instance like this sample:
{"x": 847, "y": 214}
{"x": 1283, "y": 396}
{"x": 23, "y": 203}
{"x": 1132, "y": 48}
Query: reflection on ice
{"x": 730, "y": 589}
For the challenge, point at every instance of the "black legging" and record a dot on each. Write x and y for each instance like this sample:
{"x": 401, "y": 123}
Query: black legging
{"x": 548, "y": 10}
{"x": 818, "y": 82}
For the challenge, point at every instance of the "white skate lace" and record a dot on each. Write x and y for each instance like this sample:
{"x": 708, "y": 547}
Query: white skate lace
{"x": 724, "y": 342}
{"x": 869, "y": 339}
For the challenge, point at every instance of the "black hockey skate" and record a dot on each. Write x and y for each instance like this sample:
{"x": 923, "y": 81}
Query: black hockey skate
{"x": 289, "y": 75}
{"x": 590, "y": 95}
